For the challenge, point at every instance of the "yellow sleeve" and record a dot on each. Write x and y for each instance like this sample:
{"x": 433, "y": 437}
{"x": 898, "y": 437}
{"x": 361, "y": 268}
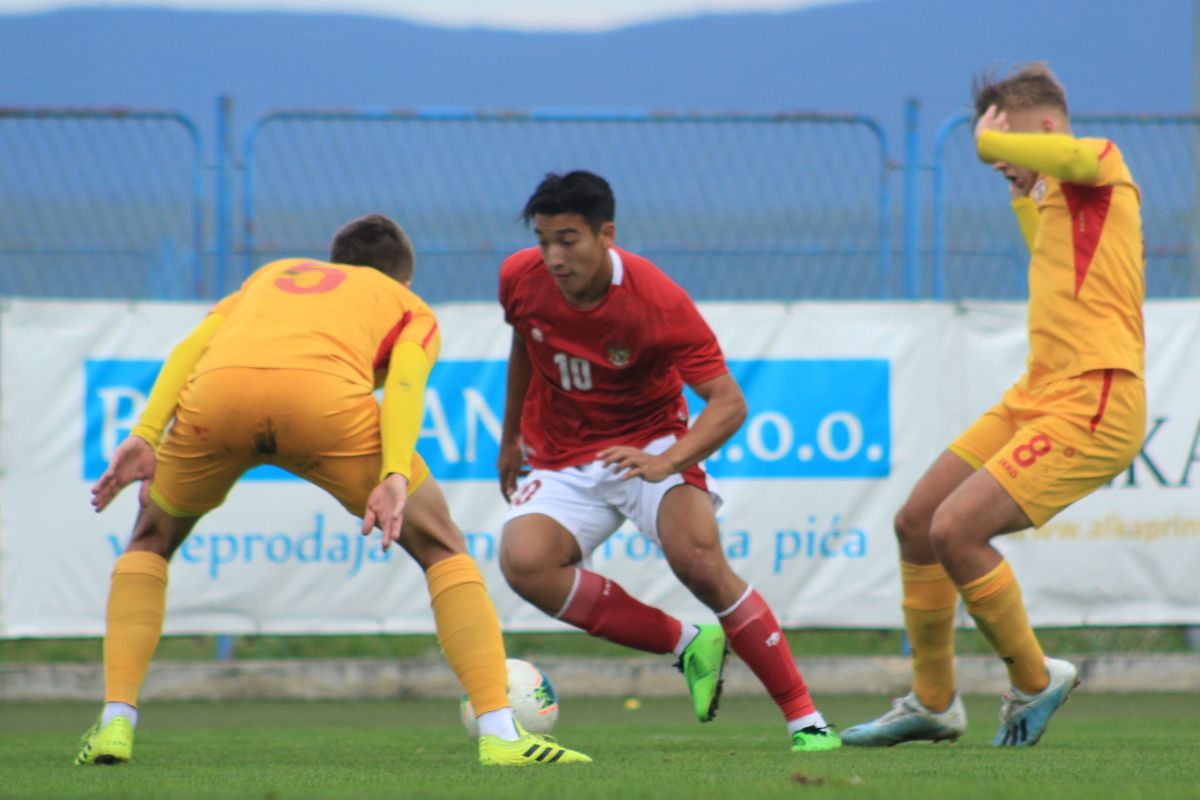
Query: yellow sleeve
{"x": 1027, "y": 217}
{"x": 1055, "y": 154}
{"x": 160, "y": 406}
{"x": 403, "y": 406}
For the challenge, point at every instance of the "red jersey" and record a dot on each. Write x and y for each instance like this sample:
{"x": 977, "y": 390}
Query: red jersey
{"x": 610, "y": 375}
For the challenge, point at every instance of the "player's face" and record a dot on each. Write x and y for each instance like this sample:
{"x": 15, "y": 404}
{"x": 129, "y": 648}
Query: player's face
{"x": 575, "y": 255}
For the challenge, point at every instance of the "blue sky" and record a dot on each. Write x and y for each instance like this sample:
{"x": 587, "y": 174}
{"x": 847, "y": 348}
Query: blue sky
{"x": 542, "y": 15}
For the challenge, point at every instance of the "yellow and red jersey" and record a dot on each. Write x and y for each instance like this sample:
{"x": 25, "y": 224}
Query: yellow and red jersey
{"x": 305, "y": 314}
{"x": 1087, "y": 273}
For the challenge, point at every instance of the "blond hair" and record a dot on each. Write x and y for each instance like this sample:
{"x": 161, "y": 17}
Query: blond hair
{"x": 1030, "y": 85}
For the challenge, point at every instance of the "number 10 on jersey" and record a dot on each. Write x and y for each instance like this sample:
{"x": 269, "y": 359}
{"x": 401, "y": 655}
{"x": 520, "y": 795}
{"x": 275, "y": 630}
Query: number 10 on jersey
{"x": 574, "y": 372}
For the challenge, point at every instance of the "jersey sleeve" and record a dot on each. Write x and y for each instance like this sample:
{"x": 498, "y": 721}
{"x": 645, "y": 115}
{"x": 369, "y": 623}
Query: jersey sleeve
{"x": 422, "y": 330}
{"x": 691, "y": 345}
{"x": 418, "y": 326}
{"x": 1111, "y": 162}
{"x": 1058, "y": 155}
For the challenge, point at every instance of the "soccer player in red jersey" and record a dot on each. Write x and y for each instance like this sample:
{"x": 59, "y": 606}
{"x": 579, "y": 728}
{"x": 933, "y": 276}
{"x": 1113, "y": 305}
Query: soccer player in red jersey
{"x": 603, "y": 343}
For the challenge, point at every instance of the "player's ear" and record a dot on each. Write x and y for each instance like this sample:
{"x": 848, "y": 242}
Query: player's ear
{"x": 608, "y": 233}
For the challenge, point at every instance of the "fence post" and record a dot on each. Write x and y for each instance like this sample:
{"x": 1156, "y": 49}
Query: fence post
{"x": 224, "y": 191}
{"x": 912, "y": 194}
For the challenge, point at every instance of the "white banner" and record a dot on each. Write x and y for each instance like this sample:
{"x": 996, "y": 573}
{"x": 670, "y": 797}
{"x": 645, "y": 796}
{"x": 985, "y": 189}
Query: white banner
{"x": 849, "y": 403}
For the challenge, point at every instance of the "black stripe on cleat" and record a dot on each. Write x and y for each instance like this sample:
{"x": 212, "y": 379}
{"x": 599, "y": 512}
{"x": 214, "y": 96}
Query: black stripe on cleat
{"x": 557, "y": 756}
{"x": 531, "y": 750}
{"x": 543, "y": 754}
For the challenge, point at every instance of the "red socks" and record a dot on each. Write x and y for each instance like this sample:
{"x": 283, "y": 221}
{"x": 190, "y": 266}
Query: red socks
{"x": 602, "y": 608}
{"x": 755, "y": 636}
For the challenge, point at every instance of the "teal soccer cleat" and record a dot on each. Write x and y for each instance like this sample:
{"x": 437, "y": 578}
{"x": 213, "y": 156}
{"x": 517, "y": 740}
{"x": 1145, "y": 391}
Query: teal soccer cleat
{"x": 1024, "y": 717}
{"x": 909, "y": 721}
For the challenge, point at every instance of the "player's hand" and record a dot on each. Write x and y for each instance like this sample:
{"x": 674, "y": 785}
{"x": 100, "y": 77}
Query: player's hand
{"x": 635, "y": 463}
{"x": 385, "y": 508}
{"x": 510, "y": 465}
{"x": 134, "y": 460}
{"x": 992, "y": 120}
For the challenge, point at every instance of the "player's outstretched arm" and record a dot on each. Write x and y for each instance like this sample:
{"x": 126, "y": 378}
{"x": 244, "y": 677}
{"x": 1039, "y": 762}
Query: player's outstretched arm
{"x": 510, "y": 464}
{"x": 133, "y": 460}
{"x": 723, "y": 414}
{"x": 1059, "y": 155}
{"x": 400, "y": 426}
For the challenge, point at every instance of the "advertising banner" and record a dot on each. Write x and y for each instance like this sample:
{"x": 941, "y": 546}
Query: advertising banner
{"x": 848, "y": 404}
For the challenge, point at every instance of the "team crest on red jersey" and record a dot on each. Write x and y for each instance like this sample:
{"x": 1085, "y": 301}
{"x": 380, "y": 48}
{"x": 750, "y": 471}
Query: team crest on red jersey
{"x": 619, "y": 354}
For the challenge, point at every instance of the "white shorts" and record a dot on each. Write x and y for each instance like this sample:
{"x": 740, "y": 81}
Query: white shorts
{"x": 591, "y": 501}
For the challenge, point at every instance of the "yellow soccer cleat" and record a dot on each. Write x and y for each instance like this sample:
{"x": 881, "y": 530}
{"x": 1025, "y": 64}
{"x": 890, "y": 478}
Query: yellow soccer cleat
{"x": 108, "y": 744}
{"x": 529, "y": 750}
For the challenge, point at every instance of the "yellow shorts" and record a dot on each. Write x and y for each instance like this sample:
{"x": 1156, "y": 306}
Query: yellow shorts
{"x": 1053, "y": 444}
{"x": 319, "y": 427}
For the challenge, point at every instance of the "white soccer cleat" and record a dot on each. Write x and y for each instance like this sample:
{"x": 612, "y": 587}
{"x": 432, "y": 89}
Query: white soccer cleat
{"x": 909, "y": 721}
{"x": 1024, "y": 717}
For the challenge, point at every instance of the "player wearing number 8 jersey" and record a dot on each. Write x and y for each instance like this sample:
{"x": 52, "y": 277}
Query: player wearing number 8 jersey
{"x": 602, "y": 345}
{"x": 283, "y": 372}
{"x": 1072, "y": 422}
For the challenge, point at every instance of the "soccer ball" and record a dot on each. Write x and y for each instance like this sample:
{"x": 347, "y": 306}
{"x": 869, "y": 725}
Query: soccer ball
{"x": 532, "y": 697}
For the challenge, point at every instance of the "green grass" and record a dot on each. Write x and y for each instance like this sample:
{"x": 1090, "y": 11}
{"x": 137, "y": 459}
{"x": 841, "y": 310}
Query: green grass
{"x": 1066, "y": 641}
{"x": 1099, "y": 747}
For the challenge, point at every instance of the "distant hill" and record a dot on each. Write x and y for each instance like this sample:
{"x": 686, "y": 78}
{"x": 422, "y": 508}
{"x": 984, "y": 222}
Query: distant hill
{"x": 864, "y": 57}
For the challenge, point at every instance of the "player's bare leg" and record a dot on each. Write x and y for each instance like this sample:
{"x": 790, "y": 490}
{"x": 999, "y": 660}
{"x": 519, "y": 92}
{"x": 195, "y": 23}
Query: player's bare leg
{"x": 962, "y": 530}
{"x": 932, "y": 711}
{"x": 687, "y": 528}
{"x": 136, "y": 606}
{"x": 538, "y": 558}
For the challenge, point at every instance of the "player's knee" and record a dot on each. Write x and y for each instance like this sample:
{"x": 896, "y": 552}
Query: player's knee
{"x": 521, "y": 567}
{"x": 943, "y": 530}
{"x": 703, "y": 571}
{"x": 911, "y": 526}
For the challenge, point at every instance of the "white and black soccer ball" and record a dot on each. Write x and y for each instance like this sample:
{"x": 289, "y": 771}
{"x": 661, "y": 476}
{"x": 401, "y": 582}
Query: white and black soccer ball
{"x": 532, "y": 696}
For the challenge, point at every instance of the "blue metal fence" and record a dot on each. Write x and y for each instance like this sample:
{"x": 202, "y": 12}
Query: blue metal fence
{"x": 100, "y": 204}
{"x": 731, "y": 206}
{"x": 767, "y": 206}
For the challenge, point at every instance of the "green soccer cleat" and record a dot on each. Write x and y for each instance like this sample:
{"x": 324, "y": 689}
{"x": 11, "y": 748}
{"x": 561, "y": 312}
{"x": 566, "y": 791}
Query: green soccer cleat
{"x": 815, "y": 739}
{"x": 108, "y": 744}
{"x": 703, "y": 665}
{"x": 530, "y": 750}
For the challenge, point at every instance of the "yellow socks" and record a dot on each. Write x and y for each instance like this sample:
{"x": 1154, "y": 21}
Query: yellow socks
{"x": 137, "y": 602}
{"x": 930, "y": 598}
{"x": 469, "y": 631}
{"x": 995, "y": 603}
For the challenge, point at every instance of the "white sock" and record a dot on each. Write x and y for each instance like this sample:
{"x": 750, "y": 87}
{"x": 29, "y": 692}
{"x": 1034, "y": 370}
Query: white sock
{"x": 498, "y": 723}
{"x": 113, "y": 710}
{"x": 687, "y": 632}
{"x": 808, "y": 720}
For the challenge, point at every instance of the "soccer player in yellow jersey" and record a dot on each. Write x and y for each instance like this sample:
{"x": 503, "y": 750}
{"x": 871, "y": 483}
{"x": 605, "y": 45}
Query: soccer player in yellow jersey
{"x": 283, "y": 371}
{"x": 1071, "y": 423}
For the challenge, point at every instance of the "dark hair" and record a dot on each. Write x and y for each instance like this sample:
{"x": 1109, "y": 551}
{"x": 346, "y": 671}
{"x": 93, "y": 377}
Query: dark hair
{"x": 1029, "y": 85}
{"x": 375, "y": 241}
{"x": 578, "y": 192}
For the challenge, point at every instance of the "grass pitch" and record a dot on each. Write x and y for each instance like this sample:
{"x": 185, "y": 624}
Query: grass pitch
{"x": 1098, "y": 746}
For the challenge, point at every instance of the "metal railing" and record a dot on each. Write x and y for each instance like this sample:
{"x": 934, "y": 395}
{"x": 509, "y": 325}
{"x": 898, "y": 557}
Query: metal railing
{"x": 104, "y": 203}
